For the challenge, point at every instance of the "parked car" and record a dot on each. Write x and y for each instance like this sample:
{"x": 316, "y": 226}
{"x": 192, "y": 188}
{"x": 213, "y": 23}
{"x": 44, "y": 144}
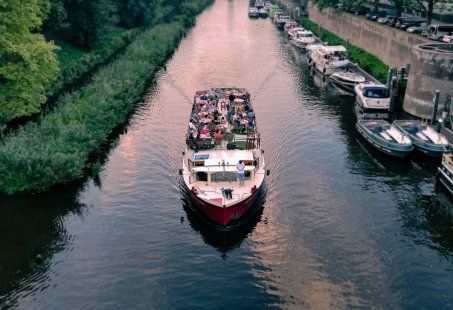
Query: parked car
{"x": 375, "y": 15}
{"x": 417, "y": 29}
{"x": 384, "y": 20}
{"x": 448, "y": 38}
{"x": 394, "y": 21}
{"x": 403, "y": 25}
{"x": 362, "y": 10}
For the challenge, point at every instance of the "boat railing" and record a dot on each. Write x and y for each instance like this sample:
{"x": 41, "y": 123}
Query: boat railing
{"x": 228, "y": 143}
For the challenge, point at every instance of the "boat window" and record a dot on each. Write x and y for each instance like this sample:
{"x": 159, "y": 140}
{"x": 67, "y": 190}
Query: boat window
{"x": 202, "y": 176}
{"x": 376, "y": 93}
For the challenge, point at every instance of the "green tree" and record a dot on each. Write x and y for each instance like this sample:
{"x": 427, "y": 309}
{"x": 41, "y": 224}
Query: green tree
{"x": 136, "y": 13}
{"x": 27, "y": 61}
{"x": 427, "y": 7}
{"x": 89, "y": 19}
{"x": 56, "y": 14}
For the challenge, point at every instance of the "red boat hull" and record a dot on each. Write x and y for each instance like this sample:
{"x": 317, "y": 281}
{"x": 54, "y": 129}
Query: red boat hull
{"x": 224, "y": 215}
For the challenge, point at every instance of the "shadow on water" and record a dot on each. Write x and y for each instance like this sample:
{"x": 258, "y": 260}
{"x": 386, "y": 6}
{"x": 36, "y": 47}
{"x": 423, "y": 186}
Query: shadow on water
{"x": 32, "y": 230}
{"x": 224, "y": 240}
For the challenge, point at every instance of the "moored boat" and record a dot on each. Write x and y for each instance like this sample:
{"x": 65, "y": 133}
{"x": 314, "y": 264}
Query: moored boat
{"x": 253, "y": 12}
{"x": 263, "y": 13}
{"x": 347, "y": 80}
{"x": 424, "y": 137}
{"x": 385, "y": 137}
{"x": 292, "y": 31}
{"x": 445, "y": 171}
{"x": 302, "y": 38}
{"x": 280, "y": 20}
{"x": 330, "y": 59}
{"x": 211, "y": 164}
{"x": 372, "y": 96}
{"x": 291, "y": 24}
{"x": 273, "y": 9}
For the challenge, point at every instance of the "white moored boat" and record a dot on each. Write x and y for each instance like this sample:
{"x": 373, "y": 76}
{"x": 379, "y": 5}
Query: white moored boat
{"x": 253, "y": 12}
{"x": 329, "y": 59}
{"x": 303, "y": 38}
{"x": 263, "y": 13}
{"x": 372, "y": 96}
{"x": 210, "y": 163}
{"x": 292, "y": 32}
{"x": 347, "y": 80}
{"x": 280, "y": 20}
{"x": 291, "y": 24}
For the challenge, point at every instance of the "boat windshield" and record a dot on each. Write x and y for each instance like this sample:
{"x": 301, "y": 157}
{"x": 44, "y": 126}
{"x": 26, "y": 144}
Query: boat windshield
{"x": 376, "y": 93}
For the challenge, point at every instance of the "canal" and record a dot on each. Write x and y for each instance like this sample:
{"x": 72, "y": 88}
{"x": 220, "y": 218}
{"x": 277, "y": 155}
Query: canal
{"x": 341, "y": 226}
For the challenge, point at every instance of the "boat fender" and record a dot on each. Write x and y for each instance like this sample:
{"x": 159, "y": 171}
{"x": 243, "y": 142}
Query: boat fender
{"x": 180, "y": 171}
{"x": 268, "y": 172}
{"x": 324, "y": 70}
{"x": 183, "y": 153}
{"x": 253, "y": 189}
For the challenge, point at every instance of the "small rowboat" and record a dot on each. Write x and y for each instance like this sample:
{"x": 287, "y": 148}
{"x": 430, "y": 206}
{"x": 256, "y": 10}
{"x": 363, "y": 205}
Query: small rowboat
{"x": 385, "y": 137}
{"x": 424, "y": 137}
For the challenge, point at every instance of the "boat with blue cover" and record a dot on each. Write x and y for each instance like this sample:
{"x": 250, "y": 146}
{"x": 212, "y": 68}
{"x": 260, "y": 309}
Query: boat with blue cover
{"x": 424, "y": 137}
{"x": 385, "y": 137}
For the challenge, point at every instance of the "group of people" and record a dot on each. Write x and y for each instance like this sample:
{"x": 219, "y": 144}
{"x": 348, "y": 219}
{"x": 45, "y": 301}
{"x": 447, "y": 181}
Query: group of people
{"x": 207, "y": 120}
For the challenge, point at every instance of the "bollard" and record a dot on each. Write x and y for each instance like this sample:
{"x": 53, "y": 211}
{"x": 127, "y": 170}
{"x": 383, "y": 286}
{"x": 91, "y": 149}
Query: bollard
{"x": 393, "y": 93}
{"x": 389, "y": 77}
{"x": 436, "y": 105}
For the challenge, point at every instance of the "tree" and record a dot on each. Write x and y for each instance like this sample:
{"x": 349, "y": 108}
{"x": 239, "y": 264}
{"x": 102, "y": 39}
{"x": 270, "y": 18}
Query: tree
{"x": 427, "y": 7}
{"x": 27, "y": 61}
{"x": 56, "y": 14}
{"x": 89, "y": 18}
{"x": 136, "y": 13}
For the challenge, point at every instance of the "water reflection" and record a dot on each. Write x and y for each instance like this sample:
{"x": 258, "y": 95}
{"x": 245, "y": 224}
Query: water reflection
{"x": 32, "y": 230}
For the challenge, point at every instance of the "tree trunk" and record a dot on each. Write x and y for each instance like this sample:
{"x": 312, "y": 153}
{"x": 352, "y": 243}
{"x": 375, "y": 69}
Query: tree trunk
{"x": 399, "y": 7}
{"x": 375, "y": 5}
{"x": 429, "y": 12}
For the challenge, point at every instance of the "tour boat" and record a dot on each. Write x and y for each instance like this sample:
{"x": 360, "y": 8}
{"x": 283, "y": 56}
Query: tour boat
{"x": 372, "y": 96}
{"x": 263, "y": 13}
{"x": 385, "y": 137}
{"x": 253, "y": 12}
{"x": 424, "y": 137}
{"x": 329, "y": 59}
{"x": 347, "y": 80}
{"x": 445, "y": 171}
{"x": 303, "y": 38}
{"x": 292, "y": 31}
{"x": 210, "y": 165}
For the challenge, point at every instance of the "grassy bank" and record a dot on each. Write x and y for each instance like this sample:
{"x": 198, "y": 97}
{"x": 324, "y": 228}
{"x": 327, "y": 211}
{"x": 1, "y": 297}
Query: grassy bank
{"x": 55, "y": 150}
{"x": 366, "y": 61}
{"x": 74, "y": 61}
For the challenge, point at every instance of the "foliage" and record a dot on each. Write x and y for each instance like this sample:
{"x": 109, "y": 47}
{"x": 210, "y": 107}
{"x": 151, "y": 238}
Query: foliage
{"x": 427, "y": 7}
{"x": 88, "y": 19}
{"x": 56, "y": 14}
{"x": 27, "y": 61}
{"x": 366, "y": 61}
{"x": 55, "y": 150}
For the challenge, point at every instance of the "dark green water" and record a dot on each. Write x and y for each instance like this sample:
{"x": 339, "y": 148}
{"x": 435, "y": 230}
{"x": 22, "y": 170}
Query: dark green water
{"x": 341, "y": 227}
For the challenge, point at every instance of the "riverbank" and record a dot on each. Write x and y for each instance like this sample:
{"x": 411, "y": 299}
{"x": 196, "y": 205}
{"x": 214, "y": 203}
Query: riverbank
{"x": 56, "y": 149}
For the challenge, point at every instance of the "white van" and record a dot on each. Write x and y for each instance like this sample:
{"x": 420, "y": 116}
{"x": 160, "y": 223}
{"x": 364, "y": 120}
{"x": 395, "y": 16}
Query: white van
{"x": 436, "y": 32}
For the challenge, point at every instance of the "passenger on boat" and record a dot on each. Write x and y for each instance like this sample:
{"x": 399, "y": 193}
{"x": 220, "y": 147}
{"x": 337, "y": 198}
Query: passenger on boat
{"x": 231, "y": 97}
{"x": 251, "y": 114}
{"x": 218, "y": 135}
{"x": 250, "y": 123}
{"x": 241, "y": 175}
{"x": 191, "y": 124}
{"x": 205, "y": 131}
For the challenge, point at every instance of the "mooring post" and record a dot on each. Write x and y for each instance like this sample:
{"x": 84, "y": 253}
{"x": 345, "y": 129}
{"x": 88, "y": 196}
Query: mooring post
{"x": 393, "y": 93}
{"x": 389, "y": 77}
{"x": 436, "y": 105}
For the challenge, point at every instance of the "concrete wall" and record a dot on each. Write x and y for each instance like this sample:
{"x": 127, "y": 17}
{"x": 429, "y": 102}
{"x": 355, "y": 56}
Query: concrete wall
{"x": 431, "y": 70}
{"x": 392, "y": 46}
